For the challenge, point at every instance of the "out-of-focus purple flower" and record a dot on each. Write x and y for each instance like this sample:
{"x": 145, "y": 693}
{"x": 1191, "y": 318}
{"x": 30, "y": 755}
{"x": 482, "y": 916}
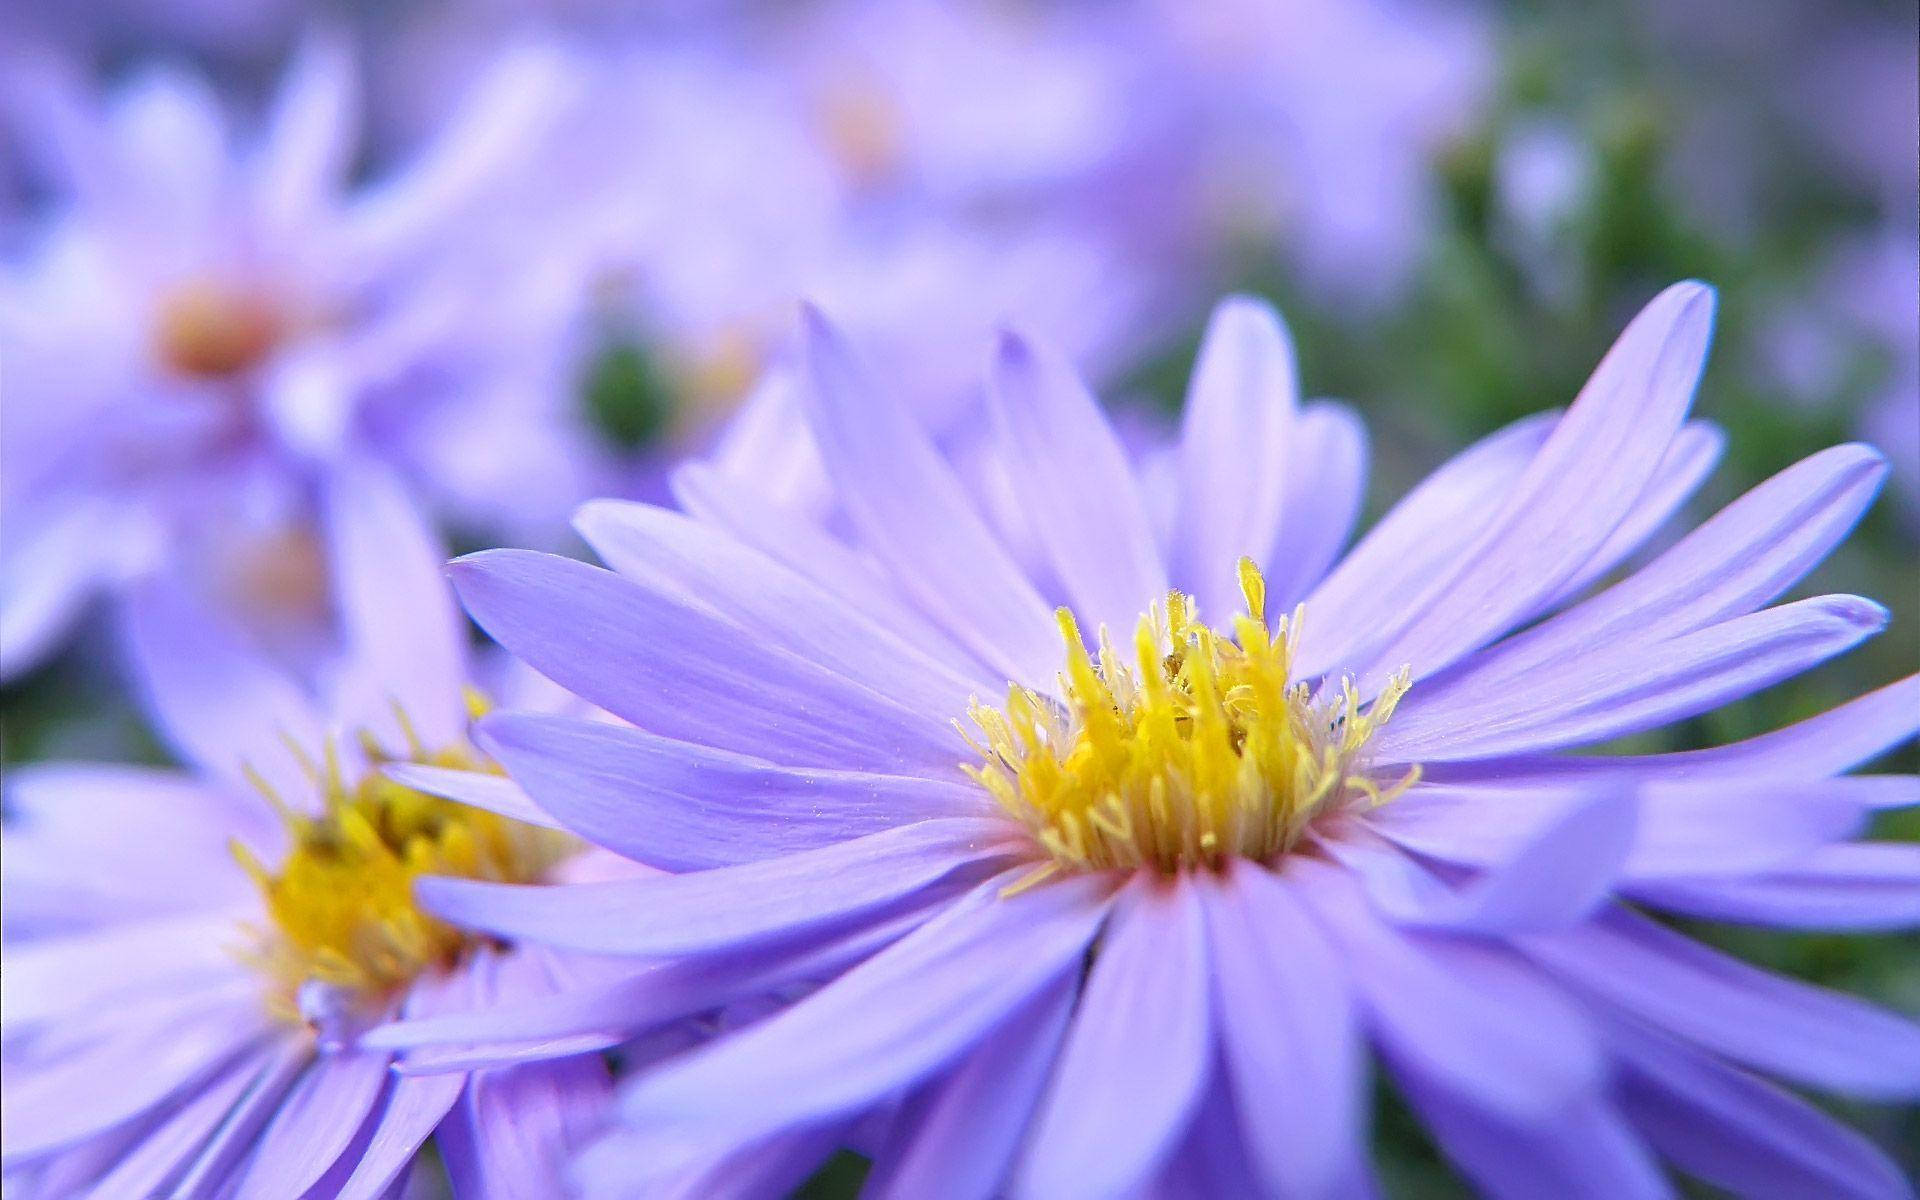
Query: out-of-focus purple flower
{"x": 1199, "y": 865}
{"x": 203, "y": 322}
{"x": 172, "y": 1027}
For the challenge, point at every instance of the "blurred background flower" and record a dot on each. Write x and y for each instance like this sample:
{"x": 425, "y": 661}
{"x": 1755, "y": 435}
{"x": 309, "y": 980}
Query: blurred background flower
{"x": 529, "y": 251}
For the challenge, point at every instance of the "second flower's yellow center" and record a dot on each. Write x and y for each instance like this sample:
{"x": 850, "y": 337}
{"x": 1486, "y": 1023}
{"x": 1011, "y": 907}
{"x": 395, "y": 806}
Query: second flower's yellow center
{"x": 211, "y": 329}
{"x": 341, "y": 904}
{"x": 1194, "y": 749}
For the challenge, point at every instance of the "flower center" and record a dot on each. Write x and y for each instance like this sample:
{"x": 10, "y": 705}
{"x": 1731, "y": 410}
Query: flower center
{"x": 211, "y": 329}
{"x": 1196, "y": 749}
{"x": 343, "y": 918}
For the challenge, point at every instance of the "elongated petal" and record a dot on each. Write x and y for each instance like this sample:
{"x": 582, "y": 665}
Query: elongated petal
{"x": 315, "y": 1124}
{"x": 908, "y": 1012}
{"x": 1583, "y": 1152}
{"x": 164, "y": 1152}
{"x": 961, "y": 1135}
{"x": 1462, "y": 1013}
{"x": 222, "y": 706}
{"x": 1289, "y": 1037}
{"x": 914, "y": 515}
{"x": 683, "y": 807}
{"x": 1239, "y": 416}
{"x": 1628, "y": 688}
{"x": 1070, "y": 476}
{"x": 1779, "y": 1025}
{"x": 1741, "y": 1133}
{"x": 406, "y": 638}
{"x": 480, "y": 789}
{"x": 1419, "y": 537}
{"x": 1856, "y": 887}
{"x": 1326, "y": 483}
{"x": 1744, "y": 557}
{"x": 685, "y": 673}
{"x": 729, "y": 907}
{"x": 778, "y": 605}
{"x": 1137, "y": 1056}
{"x": 310, "y": 133}
{"x": 1575, "y": 492}
{"x": 414, "y": 1104}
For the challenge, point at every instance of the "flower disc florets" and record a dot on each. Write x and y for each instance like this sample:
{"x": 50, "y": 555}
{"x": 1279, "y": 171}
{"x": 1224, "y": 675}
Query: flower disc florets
{"x": 1198, "y": 749}
{"x": 341, "y": 904}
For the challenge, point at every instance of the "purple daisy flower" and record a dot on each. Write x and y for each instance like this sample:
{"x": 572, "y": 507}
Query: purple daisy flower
{"x": 191, "y": 957}
{"x": 1119, "y": 827}
{"x": 202, "y": 321}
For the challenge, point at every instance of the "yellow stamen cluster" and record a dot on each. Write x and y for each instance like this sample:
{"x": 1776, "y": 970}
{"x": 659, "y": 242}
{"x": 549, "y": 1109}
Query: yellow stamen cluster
{"x": 341, "y": 904}
{"x": 1199, "y": 749}
{"x": 211, "y": 329}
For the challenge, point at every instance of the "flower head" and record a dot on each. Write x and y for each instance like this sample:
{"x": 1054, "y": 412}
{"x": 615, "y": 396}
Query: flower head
{"x": 1138, "y": 924}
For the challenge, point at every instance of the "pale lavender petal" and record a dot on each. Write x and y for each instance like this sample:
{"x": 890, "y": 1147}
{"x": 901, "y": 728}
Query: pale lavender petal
{"x": 1422, "y": 535}
{"x": 221, "y": 705}
{"x": 1583, "y": 1151}
{"x": 728, "y": 907}
{"x": 1574, "y": 493}
{"x": 1070, "y": 476}
{"x": 1562, "y": 872}
{"x": 667, "y": 551}
{"x": 1741, "y": 1133}
{"x": 516, "y": 1128}
{"x": 480, "y": 789}
{"x": 907, "y": 1012}
{"x": 1691, "y": 457}
{"x": 1742, "y": 558}
{"x": 790, "y": 538}
{"x": 1782, "y": 1026}
{"x": 683, "y": 807}
{"x": 1835, "y": 741}
{"x": 1213, "y": 1160}
{"x": 620, "y": 1166}
{"x": 406, "y": 640}
{"x": 958, "y": 1139}
{"x": 1289, "y": 1037}
{"x": 45, "y": 580}
{"x": 310, "y": 134}
{"x": 1326, "y": 483}
{"x": 414, "y": 1104}
{"x": 46, "y": 977}
{"x": 1136, "y": 1058}
{"x": 1856, "y": 887}
{"x": 211, "y": 1173}
{"x": 1463, "y": 1013}
{"x": 1239, "y": 418}
{"x": 165, "y": 1150}
{"x": 915, "y": 516}
{"x": 1627, "y": 688}
{"x": 315, "y": 1124}
{"x": 684, "y": 673}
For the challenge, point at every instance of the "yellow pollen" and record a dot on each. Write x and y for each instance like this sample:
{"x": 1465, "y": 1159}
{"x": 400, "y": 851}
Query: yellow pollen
{"x": 212, "y": 330}
{"x": 341, "y": 905}
{"x": 1196, "y": 749}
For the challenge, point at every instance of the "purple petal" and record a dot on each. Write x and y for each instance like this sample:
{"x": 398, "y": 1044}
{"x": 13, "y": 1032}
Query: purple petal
{"x": 912, "y": 1010}
{"x": 315, "y": 1124}
{"x": 1462, "y": 1013}
{"x": 280, "y": 1069}
{"x": 683, "y": 807}
{"x": 728, "y": 907}
{"x": 1744, "y": 557}
{"x": 1289, "y": 1037}
{"x": 667, "y": 551}
{"x": 45, "y": 978}
{"x": 310, "y": 135}
{"x": 1583, "y": 1151}
{"x": 1858, "y": 887}
{"x": 1238, "y": 421}
{"x": 1834, "y": 741}
{"x": 46, "y": 579}
{"x": 165, "y": 1151}
{"x": 1575, "y": 492}
{"x": 1741, "y": 1133}
{"x": 480, "y": 789}
{"x": 1628, "y": 688}
{"x": 914, "y": 515}
{"x": 1070, "y": 476}
{"x": 1690, "y": 459}
{"x": 1326, "y": 483}
{"x": 1421, "y": 536}
{"x": 415, "y": 1104}
{"x": 1136, "y": 1056}
{"x": 685, "y": 673}
{"x": 406, "y": 640}
{"x": 959, "y": 1137}
{"x": 1821, "y": 1038}
{"x": 221, "y": 706}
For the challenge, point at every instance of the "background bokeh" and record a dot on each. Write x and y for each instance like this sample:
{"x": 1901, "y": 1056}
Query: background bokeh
{"x": 1456, "y": 206}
